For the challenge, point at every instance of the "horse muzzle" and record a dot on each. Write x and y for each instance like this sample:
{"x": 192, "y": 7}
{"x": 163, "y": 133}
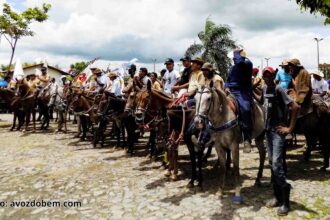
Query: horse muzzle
{"x": 199, "y": 122}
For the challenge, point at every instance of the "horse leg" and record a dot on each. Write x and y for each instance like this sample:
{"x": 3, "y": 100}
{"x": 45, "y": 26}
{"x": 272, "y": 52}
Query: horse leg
{"x": 192, "y": 155}
{"x": 228, "y": 159}
{"x": 21, "y": 119}
{"x": 64, "y": 121}
{"x": 200, "y": 170}
{"x": 84, "y": 127}
{"x": 222, "y": 168}
{"x": 14, "y": 120}
{"x": 152, "y": 142}
{"x": 28, "y": 115}
{"x": 325, "y": 148}
{"x": 208, "y": 153}
{"x": 262, "y": 155}
{"x": 235, "y": 152}
{"x": 309, "y": 142}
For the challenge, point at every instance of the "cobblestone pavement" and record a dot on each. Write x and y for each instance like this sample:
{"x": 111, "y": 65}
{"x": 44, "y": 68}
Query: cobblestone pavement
{"x": 45, "y": 166}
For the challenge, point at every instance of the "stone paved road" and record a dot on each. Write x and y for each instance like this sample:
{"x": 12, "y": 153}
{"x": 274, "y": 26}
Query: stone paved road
{"x": 45, "y": 166}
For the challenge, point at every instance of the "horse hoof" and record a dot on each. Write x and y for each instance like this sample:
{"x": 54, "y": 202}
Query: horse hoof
{"x": 237, "y": 200}
{"x": 190, "y": 185}
{"x": 167, "y": 173}
{"x": 174, "y": 177}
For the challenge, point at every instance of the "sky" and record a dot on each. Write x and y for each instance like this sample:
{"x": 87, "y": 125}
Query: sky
{"x": 118, "y": 31}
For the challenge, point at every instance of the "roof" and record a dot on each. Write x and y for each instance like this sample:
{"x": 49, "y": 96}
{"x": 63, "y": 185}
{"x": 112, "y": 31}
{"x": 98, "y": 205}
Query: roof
{"x": 50, "y": 67}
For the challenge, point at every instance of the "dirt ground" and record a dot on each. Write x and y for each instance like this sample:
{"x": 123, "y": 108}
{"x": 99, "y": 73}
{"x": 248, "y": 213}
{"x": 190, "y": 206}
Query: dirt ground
{"x": 56, "y": 176}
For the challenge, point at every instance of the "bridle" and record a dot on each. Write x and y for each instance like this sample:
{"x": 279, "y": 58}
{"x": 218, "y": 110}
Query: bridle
{"x": 205, "y": 118}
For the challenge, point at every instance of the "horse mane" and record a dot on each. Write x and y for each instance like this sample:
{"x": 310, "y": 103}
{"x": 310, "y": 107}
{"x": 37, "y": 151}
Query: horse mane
{"x": 222, "y": 95}
{"x": 162, "y": 95}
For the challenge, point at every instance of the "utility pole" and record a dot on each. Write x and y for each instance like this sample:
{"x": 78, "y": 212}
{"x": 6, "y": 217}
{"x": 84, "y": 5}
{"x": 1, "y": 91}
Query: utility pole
{"x": 267, "y": 58}
{"x": 318, "y": 53}
{"x": 154, "y": 61}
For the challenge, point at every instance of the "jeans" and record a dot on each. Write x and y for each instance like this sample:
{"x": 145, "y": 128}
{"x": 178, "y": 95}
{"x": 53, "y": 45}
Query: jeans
{"x": 244, "y": 99}
{"x": 275, "y": 145}
{"x": 191, "y": 102}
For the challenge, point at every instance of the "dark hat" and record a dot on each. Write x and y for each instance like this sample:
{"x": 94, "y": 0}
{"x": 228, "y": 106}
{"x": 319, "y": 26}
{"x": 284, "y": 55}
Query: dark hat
{"x": 169, "y": 60}
{"x": 198, "y": 60}
{"x": 184, "y": 58}
{"x": 43, "y": 69}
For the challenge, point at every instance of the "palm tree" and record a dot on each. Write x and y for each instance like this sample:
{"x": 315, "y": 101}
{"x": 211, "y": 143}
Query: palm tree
{"x": 215, "y": 44}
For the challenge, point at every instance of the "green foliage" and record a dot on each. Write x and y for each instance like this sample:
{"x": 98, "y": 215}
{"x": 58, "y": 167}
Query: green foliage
{"x": 14, "y": 26}
{"x": 215, "y": 44}
{"x": 314, "y": 6}
{"x": 79, "y": 66}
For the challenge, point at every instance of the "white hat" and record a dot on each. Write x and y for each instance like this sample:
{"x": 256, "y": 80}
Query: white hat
{"x": 318, "y": 73}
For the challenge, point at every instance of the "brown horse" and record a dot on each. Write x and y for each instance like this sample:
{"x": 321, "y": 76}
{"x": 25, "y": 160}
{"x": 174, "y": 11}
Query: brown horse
{"x": 150, "y": 110}
{"x": 28, "y": 102}
{"x": 14, "y": 105}
{"x": 84, "y": 105}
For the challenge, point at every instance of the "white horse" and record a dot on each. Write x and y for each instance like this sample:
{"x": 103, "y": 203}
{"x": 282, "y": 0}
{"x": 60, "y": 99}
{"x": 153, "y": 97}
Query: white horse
{"x": 57, "y": 101}
{"x": 212, "y": 107}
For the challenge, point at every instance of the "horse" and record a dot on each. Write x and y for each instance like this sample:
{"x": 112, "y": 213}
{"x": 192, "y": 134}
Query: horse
{"x": 151, "y": 108}
{"x": 15, "y": 106}
{"x": 43, "y": 100}
{"x": 28, "y": 102}
{"x": 85, "y": 107}
{"x": 213, "y": 107}
{"x": 110, "y": 108}
{"x": 315, "y": 126}
{"x": 58, "y": 101}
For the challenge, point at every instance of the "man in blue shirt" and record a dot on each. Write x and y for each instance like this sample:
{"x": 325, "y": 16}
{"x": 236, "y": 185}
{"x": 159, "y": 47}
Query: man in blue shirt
{"x": 283, "y": 77}
{"x": 239, "y": 83}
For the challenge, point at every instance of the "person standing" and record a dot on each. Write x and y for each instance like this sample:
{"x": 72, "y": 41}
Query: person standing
{"x": 275, "y": 102}
{"x": 239, "y": 83}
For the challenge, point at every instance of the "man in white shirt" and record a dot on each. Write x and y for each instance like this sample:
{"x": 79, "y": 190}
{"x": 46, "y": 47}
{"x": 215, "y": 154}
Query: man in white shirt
{"x": 319, "y": 85}
{"x": 143, "y": 79}
{"x": 171, "y": 76}
{"x": 102, "y": 81}
{"x": 116, "y": 87}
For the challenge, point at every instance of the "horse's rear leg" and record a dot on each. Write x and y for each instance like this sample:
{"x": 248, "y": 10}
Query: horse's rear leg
{"x": 200, "y": 170}
{"x": 262, "y": 155}
{"x": 27, "y": 122}
{"x": 237, "y": 198}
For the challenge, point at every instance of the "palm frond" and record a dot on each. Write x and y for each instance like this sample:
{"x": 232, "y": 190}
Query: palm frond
{"x": 194, "y": 49}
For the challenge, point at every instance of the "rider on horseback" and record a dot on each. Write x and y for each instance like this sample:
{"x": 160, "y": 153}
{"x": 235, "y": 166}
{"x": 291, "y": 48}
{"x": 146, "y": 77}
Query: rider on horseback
{"x": 239, "y": 83}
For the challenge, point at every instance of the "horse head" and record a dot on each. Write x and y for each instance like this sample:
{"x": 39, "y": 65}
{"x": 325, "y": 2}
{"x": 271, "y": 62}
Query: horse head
{"x": 142, "y": 99}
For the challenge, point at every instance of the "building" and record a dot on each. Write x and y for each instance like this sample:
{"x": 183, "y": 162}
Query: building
{"x": 52, "y": 71}
{"x": 325, "y": 68}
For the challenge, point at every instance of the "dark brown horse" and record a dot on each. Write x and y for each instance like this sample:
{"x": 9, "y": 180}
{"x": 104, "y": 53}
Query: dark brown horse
{"x": 150, "y": 110}
{"x": 14, "y": 105}
{"x": 84, "y": 105}
{"x": 28, "y": 102}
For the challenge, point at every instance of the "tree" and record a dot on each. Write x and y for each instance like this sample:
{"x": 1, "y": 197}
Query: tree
{"x": 215, "y": 44}
{"x": 314, "y": 6}
{"x": 14, "y": 26}
{"x": 79, "y": 66}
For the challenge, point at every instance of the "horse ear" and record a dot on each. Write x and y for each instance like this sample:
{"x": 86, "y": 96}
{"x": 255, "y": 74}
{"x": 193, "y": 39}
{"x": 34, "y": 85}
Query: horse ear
{"x": 211, "y": 84}
{"x": 149, "y": 85}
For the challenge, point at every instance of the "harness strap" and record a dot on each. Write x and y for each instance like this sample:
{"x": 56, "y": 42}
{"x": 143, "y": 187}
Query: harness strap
{"x": 227, "y": 125}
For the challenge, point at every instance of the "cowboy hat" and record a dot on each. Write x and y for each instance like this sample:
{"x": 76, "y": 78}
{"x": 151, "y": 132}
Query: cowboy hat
{"x": 112, "y": 74}
{"x": 198, "y": 60}
{"x": 318, "y": 73}
{"x": 207, "y": 66}
{"x": 294, "y": 62}
{"x": 285, "y": 62}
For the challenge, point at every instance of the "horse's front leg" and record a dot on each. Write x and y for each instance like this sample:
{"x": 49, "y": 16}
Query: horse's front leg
{"x": 262, "y": 155}
{"x": 34, "y": 119}
{"x": 14, "y": 121}
{"x": 27, "y": 122}
{"x": 222, "y": 167}
{"x": 200, "y": 170}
